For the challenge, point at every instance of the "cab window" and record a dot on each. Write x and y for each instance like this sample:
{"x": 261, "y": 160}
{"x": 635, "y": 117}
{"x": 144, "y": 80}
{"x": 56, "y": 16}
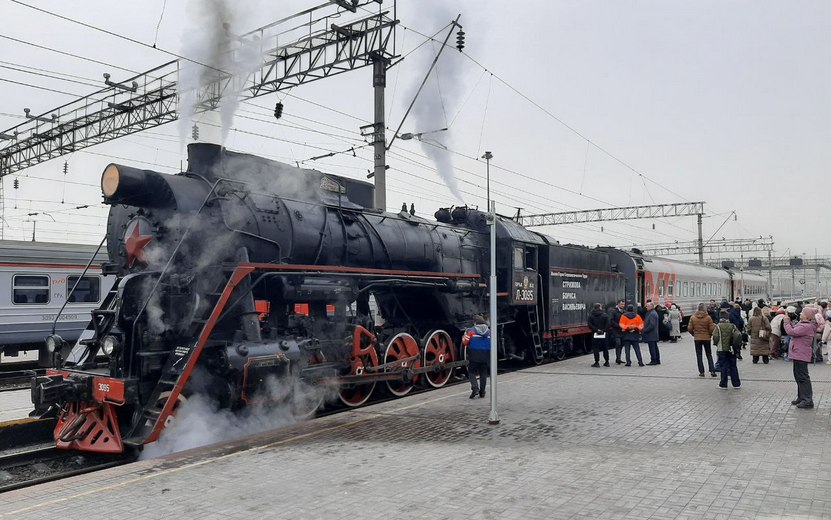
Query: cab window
{"x": 30, "y": 289}
{"x": 531, "y": 258}
{"x": 519, "y": 259}
{"x": 88, "y": 290}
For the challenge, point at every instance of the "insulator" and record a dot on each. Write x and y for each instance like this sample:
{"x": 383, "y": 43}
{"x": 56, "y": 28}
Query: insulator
{"x": 65, "y": 167}
{"x": 460, "y": 40}
{"x": 278, "y": 110}
{"x": 16, "y": 183}
{"x": 194, "y": 132}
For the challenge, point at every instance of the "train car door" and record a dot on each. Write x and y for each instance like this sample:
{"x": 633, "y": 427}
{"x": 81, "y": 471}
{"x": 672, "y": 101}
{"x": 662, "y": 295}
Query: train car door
{"x": 640, "y": 288}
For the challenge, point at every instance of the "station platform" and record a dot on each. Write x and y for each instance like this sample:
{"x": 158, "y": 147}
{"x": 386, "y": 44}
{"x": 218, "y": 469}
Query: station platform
{"x": 654, "y": 442}
{"x": 15, "y": 405}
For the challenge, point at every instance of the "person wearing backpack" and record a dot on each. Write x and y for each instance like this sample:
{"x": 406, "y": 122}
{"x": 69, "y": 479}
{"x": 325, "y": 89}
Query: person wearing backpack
{"x": 801, "y": 353}
{"x": 728, "y": 340}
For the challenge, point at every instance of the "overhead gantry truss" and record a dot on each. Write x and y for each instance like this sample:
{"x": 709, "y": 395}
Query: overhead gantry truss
{"x": 605, "y": 214}
{"x": 738, "y": 245}
{"x": 324, "y": 50}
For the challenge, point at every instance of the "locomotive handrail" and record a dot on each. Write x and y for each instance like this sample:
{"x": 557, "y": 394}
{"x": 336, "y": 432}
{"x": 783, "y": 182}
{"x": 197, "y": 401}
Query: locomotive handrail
{"x": 72, "y": 291}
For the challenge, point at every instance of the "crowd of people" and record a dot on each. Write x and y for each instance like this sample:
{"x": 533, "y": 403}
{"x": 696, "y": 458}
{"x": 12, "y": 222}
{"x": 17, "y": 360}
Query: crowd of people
{"x": 798, "y": 334}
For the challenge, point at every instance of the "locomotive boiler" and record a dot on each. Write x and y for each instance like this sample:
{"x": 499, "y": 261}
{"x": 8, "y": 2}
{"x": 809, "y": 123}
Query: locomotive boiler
{"x": 253, "y": 282}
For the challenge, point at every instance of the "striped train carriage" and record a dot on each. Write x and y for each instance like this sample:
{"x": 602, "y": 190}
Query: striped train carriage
{"x": 35, "y": 278}
{"x": 686, "y": 284}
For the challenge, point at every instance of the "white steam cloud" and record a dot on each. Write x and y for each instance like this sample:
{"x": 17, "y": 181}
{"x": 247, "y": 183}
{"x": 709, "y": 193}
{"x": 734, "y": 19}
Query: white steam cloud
{"x": 437, "y": 103}
{"x": 210, "y": 42}
{"x": 199, "y": 421}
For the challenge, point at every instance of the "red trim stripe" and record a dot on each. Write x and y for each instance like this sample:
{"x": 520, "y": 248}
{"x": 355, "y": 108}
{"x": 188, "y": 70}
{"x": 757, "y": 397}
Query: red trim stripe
{"x": 48, "y": 266}
{"x": 345, "y": 269}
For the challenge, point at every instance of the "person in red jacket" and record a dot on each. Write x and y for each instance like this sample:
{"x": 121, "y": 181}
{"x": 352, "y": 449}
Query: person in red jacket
{"x": 631, "y": 325}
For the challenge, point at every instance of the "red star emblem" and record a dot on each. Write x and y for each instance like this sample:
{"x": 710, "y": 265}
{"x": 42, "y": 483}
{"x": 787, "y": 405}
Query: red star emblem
{"x": 134, "y": 243}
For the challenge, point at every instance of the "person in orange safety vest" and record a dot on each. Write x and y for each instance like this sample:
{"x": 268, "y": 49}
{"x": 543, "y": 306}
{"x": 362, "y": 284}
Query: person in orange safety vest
{"x": 631, "y": 325}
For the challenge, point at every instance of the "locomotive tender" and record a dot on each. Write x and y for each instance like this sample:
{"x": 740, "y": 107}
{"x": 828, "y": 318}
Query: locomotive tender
{"x": 254, "y": 281}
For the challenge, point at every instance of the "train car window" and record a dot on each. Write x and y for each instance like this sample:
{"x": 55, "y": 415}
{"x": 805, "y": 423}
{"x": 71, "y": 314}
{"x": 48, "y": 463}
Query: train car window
{"x": 698, "y": 288}
{"x": 88, "y": 290}
{"x": 648, "y": 289}
{"x": 661, "y": 288}
{"x": 686, "y": 289}
{"x": 531, "y": 258}
{"x": 519, "y": 259}
{"x": 30, "y": 289}
{"x": 669, "y": 289}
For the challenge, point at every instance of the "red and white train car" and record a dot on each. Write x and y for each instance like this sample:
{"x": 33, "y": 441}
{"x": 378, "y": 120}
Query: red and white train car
{"x": 686, "y": 284}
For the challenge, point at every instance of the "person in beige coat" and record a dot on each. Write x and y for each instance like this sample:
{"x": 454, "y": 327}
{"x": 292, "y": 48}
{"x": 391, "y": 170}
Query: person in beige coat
{"x": 759, "y": 333}
{"x": 701, "y": 327}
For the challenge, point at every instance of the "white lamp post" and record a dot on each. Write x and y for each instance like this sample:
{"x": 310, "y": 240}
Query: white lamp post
{"x": 494, "y": 416}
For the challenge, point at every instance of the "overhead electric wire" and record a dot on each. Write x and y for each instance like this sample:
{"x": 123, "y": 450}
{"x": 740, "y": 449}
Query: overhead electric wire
{"x": 48, "y": 74}
{"x": 556, "y": 118}
{"x": 528, "y": 193}
{"x": 30, "y": 85}
{"x": 91, "y": 60}
{"x": 114, "y": 34}
{"x": 342, "y": 113}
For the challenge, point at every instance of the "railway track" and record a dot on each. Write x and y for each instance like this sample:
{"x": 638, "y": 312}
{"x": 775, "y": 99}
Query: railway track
{"x": 45, "y": 464}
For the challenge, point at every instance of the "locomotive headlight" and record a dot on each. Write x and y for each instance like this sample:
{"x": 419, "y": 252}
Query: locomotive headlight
{"x": 54, "y": 343}
{"x": 109, "y": 344}
{"x": 110, "y": 180}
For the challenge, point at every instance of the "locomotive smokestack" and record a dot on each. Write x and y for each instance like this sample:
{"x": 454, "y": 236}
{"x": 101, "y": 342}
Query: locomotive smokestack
{"x": 152, "y": 190}
{"x": 134, "y": 187}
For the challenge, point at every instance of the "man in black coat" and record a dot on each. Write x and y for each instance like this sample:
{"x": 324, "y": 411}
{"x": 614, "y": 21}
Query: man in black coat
{"x": 663, "y": 323}
{"x": 617, "y": 334}
{"x": 600, "y": 326}
{"x": 649, "y": 334}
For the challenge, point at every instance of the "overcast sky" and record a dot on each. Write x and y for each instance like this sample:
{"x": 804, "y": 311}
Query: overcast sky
{"x": 584, "y": 104}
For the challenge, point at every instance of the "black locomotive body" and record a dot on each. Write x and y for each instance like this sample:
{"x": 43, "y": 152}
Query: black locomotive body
{"x": 255, "y": 281}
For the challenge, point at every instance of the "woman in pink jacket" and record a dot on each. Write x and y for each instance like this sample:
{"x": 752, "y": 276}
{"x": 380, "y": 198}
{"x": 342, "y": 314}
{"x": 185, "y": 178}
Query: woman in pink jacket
{"x": 800, "y": 351}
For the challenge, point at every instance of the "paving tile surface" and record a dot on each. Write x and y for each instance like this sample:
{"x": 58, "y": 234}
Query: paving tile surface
{"x": 575, "y": 442}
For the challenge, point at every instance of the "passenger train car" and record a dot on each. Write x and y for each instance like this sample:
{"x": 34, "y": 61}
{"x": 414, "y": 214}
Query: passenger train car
{"x": 35, "y": 279}
{"x": 247, "y": 271}
{"x": 686, "y": 284}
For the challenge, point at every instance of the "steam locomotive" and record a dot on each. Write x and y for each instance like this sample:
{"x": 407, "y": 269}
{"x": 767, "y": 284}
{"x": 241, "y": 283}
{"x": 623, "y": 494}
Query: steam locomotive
{"x": 253, "y": 282}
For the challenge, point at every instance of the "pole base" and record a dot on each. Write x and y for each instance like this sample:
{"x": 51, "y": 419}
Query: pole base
{"x": 494, "y": 418}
